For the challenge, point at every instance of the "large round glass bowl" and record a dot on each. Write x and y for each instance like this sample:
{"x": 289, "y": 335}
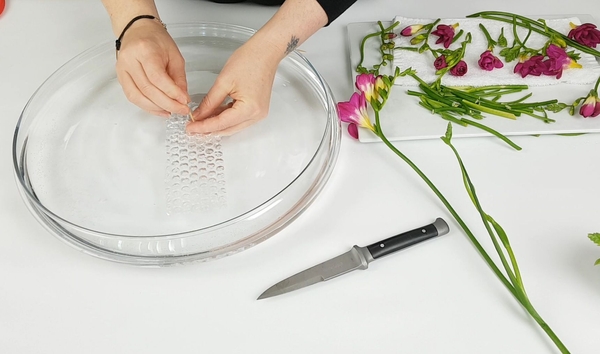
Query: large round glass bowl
{"x": 96, "y": 171}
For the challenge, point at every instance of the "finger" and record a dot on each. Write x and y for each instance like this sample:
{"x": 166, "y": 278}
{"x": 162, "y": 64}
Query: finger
{"x": 157, "y": 74}
{"x": 235, "y": 129}
{"x": 176, "y": 70}
{"x": 215, "y": 112}
{"x": 153, "y": 93}
{"x": 134, "y": 95}
{"x": 227, "y": 119}
{"x": 213, "y": 99}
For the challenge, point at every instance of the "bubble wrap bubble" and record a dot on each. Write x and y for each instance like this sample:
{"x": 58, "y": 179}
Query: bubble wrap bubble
{"x": 195, "y": 174}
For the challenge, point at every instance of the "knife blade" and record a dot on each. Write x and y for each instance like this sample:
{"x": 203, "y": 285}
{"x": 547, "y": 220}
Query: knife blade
{"x": 356, "y": 258}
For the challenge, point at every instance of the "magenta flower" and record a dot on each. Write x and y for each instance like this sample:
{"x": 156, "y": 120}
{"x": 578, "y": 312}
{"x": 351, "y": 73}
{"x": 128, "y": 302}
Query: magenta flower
{"x": 370, "y": 85}
{"x": 445, "y": 34}
{"x": 459, "y": 69}
{"x": 557, "y": 61}
{"x": 591, "y": 106}
{"x": 440, "y": 62}
{"x": 488, "y": 61}
{"x": 410, "y": 30}
{"x": 355, "y": 113}
{"x": 586, "y": 34}
{"x": 533, "y": 66}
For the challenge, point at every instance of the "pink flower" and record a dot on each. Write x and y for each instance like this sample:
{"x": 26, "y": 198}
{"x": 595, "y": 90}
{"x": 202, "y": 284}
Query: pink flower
{"x": 445, "y": 34}
{"x": 586, "y": 34}
{"x": 557, "y": 61}
{"x": 459, "y": 69}
{"x": 591, "y": 106}
{"x": 487, "y": 61}
{"x": 355, "y": 113}
{"x": 533, "y": 66}
{"x": 370, "y": 85}
{"x": 440, "y": 62}
{"x": 410, "y": 30}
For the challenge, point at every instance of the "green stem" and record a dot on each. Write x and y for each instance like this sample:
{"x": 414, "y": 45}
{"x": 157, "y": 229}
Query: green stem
{"x": 523, "y": 300}
{"x": 444, "y": 201}
{"x": 371, "y": 35}
{"x": 470, "y": 188}
{"x": 489, "y": 110}
{"x": 491, "y": 43}
{"x": 362, "y": 47}
{"x": 429, "y": 29}
{"x": 538, "y": 27}
{"x": 519, "y": 290}
{"x": 493, "y": 132}
{"x": 543, "y": 118}
{"x": 519, "y": 100}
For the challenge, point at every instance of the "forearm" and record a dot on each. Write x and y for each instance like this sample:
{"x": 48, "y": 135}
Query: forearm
{"x": 122, "y": 11}
{"x": 293, "y": 24}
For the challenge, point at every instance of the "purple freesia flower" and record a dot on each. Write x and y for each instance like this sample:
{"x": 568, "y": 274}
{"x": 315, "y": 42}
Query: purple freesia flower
{"x": 586, "y": 34}
{"x": 557, "y": 61}
{"x": 440, "y": 62}
{"x": 459, "y": 69}
{"x": 533, "y": 66}
{"x": 488, "y": 61}
{"x": 355, "y": 113}
{"x": 445, "y": 34}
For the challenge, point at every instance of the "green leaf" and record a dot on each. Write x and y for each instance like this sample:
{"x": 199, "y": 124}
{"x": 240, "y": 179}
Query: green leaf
{"x": 502, "y": 42}
{"x": 386, "y": 81}
{"x": 556, "y": 107}
{"x": 595, "y": 237}
{"x": 448, "y": 137}
{"x": 383, "y": 93}
{"x": 500, "y": 232}
{"x": 597, "y": 262}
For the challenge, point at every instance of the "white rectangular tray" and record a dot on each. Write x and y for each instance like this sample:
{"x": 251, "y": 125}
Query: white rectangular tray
{"x": 403, "y": 119}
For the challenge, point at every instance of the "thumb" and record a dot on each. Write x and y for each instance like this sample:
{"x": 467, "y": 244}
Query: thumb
{"x": 213, "y": 100}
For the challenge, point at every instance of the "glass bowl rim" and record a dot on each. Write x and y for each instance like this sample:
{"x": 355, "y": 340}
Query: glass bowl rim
{"x": 98, "y": 49}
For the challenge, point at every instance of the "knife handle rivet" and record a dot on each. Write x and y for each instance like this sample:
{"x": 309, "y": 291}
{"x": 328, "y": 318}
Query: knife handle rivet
{"x": 423, "y": 231}
{"x": 382, "y": 245}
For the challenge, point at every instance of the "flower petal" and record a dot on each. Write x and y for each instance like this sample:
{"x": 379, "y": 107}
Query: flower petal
{"x": 353, "y": 130}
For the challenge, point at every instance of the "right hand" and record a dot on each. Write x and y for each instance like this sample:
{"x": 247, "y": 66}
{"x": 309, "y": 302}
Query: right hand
{"x": 151, "y": 69}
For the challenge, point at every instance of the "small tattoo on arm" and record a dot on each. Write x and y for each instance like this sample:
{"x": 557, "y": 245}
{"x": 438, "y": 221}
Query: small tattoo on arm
{"x": 293, "y": 43}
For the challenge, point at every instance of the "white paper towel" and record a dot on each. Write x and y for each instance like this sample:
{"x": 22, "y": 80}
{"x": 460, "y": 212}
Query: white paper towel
{"x": 423, "y": 62}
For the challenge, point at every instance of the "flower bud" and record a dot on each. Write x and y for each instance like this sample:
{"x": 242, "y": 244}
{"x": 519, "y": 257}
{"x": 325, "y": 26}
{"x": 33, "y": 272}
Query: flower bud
{"x": 418, "y": 39}
{"x": 591, "y": 106}
{"x": 410, "y": 30}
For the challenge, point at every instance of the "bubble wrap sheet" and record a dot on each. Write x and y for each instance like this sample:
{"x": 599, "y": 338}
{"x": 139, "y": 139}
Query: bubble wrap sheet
{"x": 195, "y": 173}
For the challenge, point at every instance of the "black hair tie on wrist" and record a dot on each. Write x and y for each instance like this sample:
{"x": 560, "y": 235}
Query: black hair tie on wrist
{"x": 150, "y": 17}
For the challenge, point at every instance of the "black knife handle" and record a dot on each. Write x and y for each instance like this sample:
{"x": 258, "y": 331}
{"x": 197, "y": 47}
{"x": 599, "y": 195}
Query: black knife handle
{"x": 409, "y": 238}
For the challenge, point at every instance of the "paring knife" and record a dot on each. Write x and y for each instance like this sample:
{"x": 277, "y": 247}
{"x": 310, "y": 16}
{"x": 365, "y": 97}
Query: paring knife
{"x": 356, "y": 258}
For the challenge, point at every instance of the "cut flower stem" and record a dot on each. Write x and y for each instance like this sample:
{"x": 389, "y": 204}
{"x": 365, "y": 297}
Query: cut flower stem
{"x": 514, "y": 284}
{"x": 451, "y": 103}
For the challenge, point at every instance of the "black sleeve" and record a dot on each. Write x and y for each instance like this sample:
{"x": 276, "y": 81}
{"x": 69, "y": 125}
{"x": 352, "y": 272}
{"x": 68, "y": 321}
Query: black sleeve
{"x": 334, "y": 8}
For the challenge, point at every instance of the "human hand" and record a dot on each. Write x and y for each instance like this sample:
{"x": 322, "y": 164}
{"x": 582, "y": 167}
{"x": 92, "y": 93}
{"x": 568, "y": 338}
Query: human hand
{"x": 247, "y": 78}
{"x": 151, "y": 70}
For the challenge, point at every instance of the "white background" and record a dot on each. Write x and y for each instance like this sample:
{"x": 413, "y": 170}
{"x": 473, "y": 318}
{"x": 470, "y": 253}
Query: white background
{"x": 437, "y": 297}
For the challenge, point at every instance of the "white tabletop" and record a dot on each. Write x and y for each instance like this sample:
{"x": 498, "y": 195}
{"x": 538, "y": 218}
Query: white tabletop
{"x": 437, "y": 297}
